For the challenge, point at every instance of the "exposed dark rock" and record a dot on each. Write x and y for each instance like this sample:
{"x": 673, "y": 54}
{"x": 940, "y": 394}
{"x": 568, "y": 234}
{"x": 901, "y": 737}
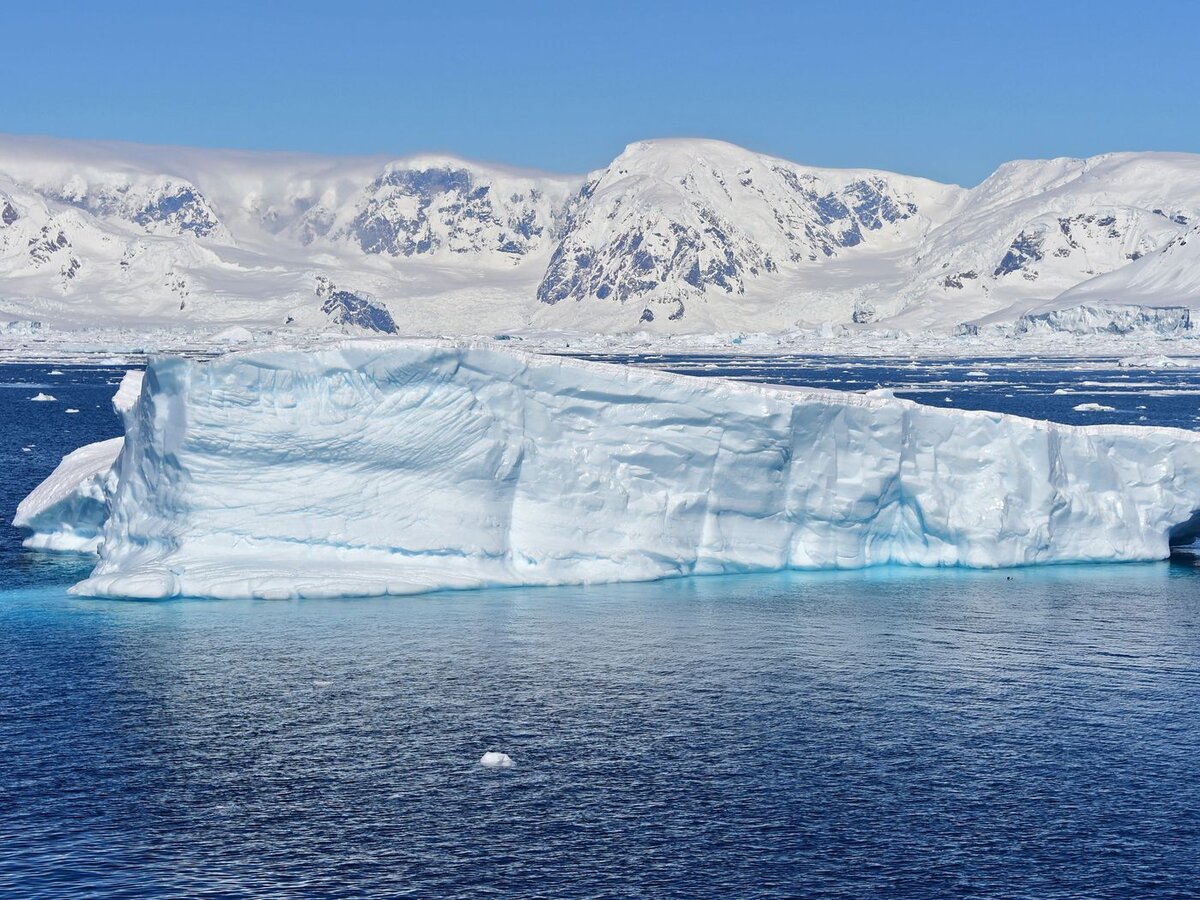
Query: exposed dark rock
{"x": 864, "y": 313}
{"x": 183, "y": 210}
{"x": 1025, "y": 250}
{"x": 45, "y": 245}
{"x": 180, "y": 207}
{"x": 956, "y": 281}
{"x": 467, "y": 218}
{"x": 356, "y": 310}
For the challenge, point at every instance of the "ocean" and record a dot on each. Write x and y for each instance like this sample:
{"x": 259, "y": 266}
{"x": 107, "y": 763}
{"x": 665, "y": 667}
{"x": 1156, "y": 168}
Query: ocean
{"x": 901, "y": 732}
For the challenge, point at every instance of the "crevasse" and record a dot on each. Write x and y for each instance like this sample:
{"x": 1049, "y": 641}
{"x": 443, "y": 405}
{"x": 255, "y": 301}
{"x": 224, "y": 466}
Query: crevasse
{"x": 392, "y": 467}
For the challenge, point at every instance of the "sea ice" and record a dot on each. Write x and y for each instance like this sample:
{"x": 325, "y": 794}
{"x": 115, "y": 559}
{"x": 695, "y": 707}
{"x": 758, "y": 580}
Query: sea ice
{"x": 43, "y": 398}
{"x": 1094, "y": 407}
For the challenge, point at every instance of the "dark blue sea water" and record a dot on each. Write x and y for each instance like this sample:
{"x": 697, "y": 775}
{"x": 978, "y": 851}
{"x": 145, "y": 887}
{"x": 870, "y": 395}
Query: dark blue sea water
{"x": 917, "y": 733}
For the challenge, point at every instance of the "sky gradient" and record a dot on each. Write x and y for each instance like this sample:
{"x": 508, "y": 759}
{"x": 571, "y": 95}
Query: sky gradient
{"x": 940, "y": 89}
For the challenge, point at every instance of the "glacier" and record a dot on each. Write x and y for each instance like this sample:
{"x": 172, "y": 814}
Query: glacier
{"x": 374, "y": 466}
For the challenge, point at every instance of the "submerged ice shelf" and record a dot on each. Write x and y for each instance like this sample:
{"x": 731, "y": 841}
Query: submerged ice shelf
{"x": 375, "y": 467}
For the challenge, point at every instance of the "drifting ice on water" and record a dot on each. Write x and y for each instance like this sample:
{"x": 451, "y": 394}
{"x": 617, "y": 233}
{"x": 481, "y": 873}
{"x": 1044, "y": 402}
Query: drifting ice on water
{"x": 376, "y": 467}
{"x": 67, "y": 511}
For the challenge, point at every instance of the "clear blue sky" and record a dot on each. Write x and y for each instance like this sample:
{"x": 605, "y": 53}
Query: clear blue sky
{"x": 942, "y": 89}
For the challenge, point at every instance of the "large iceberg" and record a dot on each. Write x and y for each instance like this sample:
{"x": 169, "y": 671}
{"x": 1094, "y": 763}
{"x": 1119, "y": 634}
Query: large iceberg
{"x": 392, "y": 467}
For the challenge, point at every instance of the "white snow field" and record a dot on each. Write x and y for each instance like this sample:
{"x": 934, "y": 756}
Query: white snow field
{"x": 392, "y": 467}
{"x": 494, "y": 759}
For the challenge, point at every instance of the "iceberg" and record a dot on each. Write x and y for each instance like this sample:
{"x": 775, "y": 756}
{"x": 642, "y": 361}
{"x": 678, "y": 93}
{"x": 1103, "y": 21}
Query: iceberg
{"x": 393, "y": 467}
{"x": 68, "y": 510}
{"x": 493, "y": 759}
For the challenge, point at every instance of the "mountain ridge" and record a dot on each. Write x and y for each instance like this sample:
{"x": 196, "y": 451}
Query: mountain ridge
{"x": 675, "y": 235}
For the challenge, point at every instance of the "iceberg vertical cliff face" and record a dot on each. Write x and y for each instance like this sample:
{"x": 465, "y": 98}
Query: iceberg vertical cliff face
{"x": 395, "y": 467}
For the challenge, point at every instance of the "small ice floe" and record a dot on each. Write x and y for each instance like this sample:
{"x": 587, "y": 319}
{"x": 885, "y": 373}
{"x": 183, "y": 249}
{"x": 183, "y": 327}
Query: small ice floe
{"x": 55, "y": 372}
{"x": 977, "y": 373}
{"x": 69, "y": 411}
{"x": 948, "y": 399}
{"x": 1094, "y": 407}
{"x": 494, "y": 760}
{"x": 43, "y": 398}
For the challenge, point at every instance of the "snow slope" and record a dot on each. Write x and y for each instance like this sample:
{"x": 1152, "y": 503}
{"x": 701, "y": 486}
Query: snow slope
{"x": 674, "y": 236}
{"x": 374, "y": 467}
{"x": 1162, "y": 288}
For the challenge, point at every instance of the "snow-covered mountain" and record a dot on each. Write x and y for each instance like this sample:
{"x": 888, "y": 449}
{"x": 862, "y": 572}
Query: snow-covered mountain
{"x": 673, "y": 236}
{"x": 1034, "y": 231}
{"x": 671, "y": 225}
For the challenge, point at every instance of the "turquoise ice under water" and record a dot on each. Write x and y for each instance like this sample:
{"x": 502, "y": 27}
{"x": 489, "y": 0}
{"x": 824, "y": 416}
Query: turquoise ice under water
{"x": 910, "y": 732}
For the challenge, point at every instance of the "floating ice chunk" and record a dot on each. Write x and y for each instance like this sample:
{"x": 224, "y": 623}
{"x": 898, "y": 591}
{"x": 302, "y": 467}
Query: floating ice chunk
{"x": 67, "y": 511}
{"x": 54, "y": 372}
{"x": 977, "y": 373}
{"x": 494, "y": 760}
{"x": 71, "y": 411}
{"x": 1094, "y": 407}
{"x": 43, "y": 398}
{"x": 1152, "y": 362}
